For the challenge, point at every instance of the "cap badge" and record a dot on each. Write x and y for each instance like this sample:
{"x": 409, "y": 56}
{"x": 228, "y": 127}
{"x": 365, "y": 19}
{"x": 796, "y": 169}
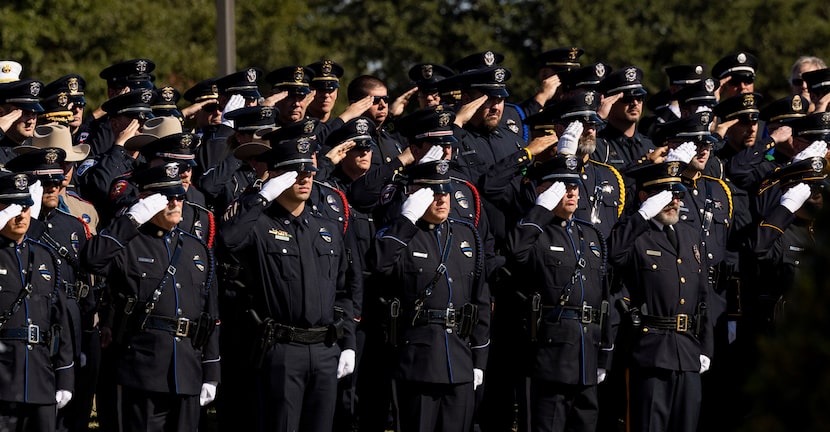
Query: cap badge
{"x": 361, "y": 126}
{"x": 298, "y": 74}
{"x": 34, "y": 88}
{"x": 573, "y": 53}
{"x": 303, "y": 145}
{"x": 185, "y": 141}
{"x": 466, "y": 249}
{"x": 589, "y": 98}
{"x": 600, "y": 70}
{"x": 266, "y": 112}
{"x": 326, "y": 69}
{"x": 146, "y": 96}
{"x": 214, "y": 89}
{"x": 21, "y": 182}
{"x": 489, "y": 58}
{"x": 7, "y": 68}
{"x": 171, "y": 170}
{"x": 63, "y": 99}
{"x": 796, "y": 103}
{"x": 630, "y": 74}
{"x": 251, "y": 75}
{"x": 704, "y": 118}
{"x": 825, "y": 118}
{"x": 426, "y": 71}
{"x": 72, "y": 84}
{"x": 698, "y": 70}
{"x": 444, "y": 119}
{"x": 51, "y": 157}
{"x": 167, "y": 94}
{"x": 461, "y": 199}
{"x": 442, "y": 167}
{"x": 673, "y": 168}
{"x": 141, "y": 66}
{"x": 749, "y": 100}
{"x": 571, "y": 163}
{"x": 709, "y": 84}
{"x": 817, "y": 164}
{"x": 498, "y": 75}
{"x": 308, "y": 127}
{"x": 741, "y": 58}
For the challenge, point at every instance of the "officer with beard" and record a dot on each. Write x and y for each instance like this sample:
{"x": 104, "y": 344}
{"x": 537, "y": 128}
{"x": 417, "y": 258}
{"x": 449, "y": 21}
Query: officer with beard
{"x": 664, "y": 268}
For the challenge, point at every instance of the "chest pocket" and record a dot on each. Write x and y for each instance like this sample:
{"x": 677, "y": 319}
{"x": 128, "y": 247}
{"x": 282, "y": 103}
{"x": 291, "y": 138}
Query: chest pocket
{"x": 328, "y": 260}
{"x": 285, "y": 256}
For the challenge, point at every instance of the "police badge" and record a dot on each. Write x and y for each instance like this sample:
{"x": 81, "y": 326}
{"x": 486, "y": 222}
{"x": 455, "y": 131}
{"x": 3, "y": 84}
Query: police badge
{"x": 489, "y": 58}
{"x": 600, "y": 70}
{"x": 361, "y": 126}
{"x": 332, "y": 202}
{"x": 44, "y": 272}
{"x": 698, "y": 70}
{"x": 442, "y": 167}
{"x": 709, "y": 84}
{"x": 72, "y": 84}
{"x": 21, "y": 182}
{"x": 461, "y": 199}
{"x": 630, "y": 74}
{"x": 34, "y": 88}
{"x": 325, "y": 235}
{"x": 146, "y": 96}
{"x": 299, "y": 74}
{"x": 303, "y": 145}
{"x": 466, "y": 249}
{"x": 63, "y": 99}
{"x": 796, "y": 103}
{"x": 167, "y": 94}
{"x": 498, "y": 75}
{"x": 251, "y": 75}
{"x": 141, "y": 66}
{"x": 426, "y": 71}
{"x": 741, "y": 58}
{"x": 673, "y": 168}
{"x": 197, "y": 261}
{"x": 511, "y": 124}
{"x": 308, "y": 127}
{"x": 51, "y": 156}
{"x": 171, "y": 170}
{"x": 326, "y": 68}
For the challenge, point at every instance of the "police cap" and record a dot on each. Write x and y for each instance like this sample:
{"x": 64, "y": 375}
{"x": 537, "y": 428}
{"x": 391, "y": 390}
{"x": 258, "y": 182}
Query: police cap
{"x": 627, "y": 81}
{"x": 202, "y": 91}
{"x": 56, "y": 109}
{"x": 564, "y": 168}
{"x": 579, "y": 107}
{"x": 292, "y": 147}
{"x": 164, "y": 102}
{"x": 44, "y": 164}
{"x": 427, "y": 75}
{"x": 693, "y": 128}
{"x": 243, "y": 83}
{"x": 741, "y": 65}
{"x": 818, "y": 81}
{"x": 163, "y": 179}
{"x": 326, "y": 74}
{"x": 686, "y": 74}
{"x": 23, "y": 94}
{"x": 134, "y": 104}
{"x": 251, "y": 119}
{"x": 662, "y": 176}
{"x": 10, "y": 71}
{"x": 814, "y": 126}
{"x": 785, "y": 109}
{"x": 358, "y": 129}
{"x": 171, "y": 148}
{"x": 478, "y": 60}
{"x": 432, "y": 124}
{"x": 809, "y": 171}
{"x": 743, "y": 107}
{"x": 73, "y": 84}
{"x": 559, "y": 59}
{"x": 434, "y": 175}
{"x": 699, "y": 93}
{"x": 660, "y": 101}
{"x": 133, "y": 73}
{"x": 294, "y": 79}
{"x": 586, "y": 77}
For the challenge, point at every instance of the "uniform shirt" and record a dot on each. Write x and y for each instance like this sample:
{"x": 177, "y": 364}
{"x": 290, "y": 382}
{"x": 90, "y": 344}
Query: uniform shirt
{"x": 96, "y": 179}
{"x": 135, "y": 261}
{"x": 30, "y": 374}
{"x": 211, "y": 148}
{"x": 779, "y": 243}
{"x": 620, "y": 151}
{"x": 409, "y": 255}
{"x": 7, "y": 146}
{"x": 707, "y": 207}
{"x": 72, "y": 203}
{"x": 548, "y": 249}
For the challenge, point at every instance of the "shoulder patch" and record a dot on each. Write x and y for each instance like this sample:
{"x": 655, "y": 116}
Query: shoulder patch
{"x": 85, "y": 165}
{"x": 118, "y": 188}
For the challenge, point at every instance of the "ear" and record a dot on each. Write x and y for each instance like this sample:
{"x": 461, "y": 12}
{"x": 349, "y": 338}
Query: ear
{"x": 643, "y": 195}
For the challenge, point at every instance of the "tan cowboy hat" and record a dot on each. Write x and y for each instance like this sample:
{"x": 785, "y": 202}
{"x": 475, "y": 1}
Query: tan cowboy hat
{"x": 255, "y": 147}
{"x": 153, "y": 129}
{"x": 55, "y": 136}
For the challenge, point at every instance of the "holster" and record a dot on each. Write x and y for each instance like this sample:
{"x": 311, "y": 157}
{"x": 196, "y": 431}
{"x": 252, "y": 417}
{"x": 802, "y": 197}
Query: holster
{"x": 702, "y": 312}
{"x": 264, "y": 338}
{"x": 468, "y": 320}
{"x": 633, "y": 313}
{"x": 124, "y": 307}
{"x": 335, "y": 330}
{"x": 535, "y": 315}
{"x": 204, "y": 328}
{"x": 394, "y": 316}
{"x": 54, "y": 339}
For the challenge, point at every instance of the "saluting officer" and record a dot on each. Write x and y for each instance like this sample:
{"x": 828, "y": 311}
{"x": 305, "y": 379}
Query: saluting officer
{"x": 20, "y": 99}
{"x": 36, "y": 366}
{"x": 165, "y": 309}
{"x": 435, "y": 268}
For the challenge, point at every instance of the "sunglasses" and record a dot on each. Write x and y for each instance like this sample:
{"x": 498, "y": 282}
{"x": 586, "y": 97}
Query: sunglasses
{"x": 176, "y": 197}
{"x": 741, "y": 80}
{"x": 376, "y": 100}
{"x": 630, "y": 99}
{"x": 211, "y": 108}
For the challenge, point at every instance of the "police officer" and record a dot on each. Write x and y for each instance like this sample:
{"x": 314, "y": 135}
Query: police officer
{"x": 326, "y": 84}
{"x": 570, "y": 328}
{"x": 34, "y": 330}
{"x": 19, "y": 102}
{"x": 664, "y": 268}
{"x": 165, "y": 310}
{"x": 74, "y": 85}
{"x": 206, "y": 111}
{"x": 434, "y": 266}
{"x": 550, "y": 64}
{"x": 297, "y": 265}
{"x": 736, "y": 73}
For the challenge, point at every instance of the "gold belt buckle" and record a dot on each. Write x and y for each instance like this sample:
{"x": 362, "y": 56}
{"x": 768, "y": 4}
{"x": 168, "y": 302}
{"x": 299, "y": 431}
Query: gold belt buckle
{"x": 182, "y": 327}
{"x": 682, "y": 324}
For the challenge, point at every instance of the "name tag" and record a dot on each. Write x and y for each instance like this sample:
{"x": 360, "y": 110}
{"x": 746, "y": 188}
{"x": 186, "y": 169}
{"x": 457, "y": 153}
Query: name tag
{"x": 653, "y": 252}
{"x": 557, "y": 248}
{"x": 420, "y": 254}
{"x": 3, "y": 271}
{"x": 146, "y": 260}
{"x": 796, "y": 249}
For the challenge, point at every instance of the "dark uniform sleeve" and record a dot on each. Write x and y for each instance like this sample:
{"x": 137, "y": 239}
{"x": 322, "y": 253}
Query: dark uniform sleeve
{"x": 95, "y": 182}
{"x": 239, "y": 219}
{"x": 621, "y": 243}
{"x": 364, "y": 194}
{"x": 390, "y": 244}
{"x": 769, "y": 230}
{"x": 105, "y": 250}
{"x": 210, "y": 352}
{"x": 521, "y": 240}
{"x": 214, "y": 181}
{"x": 747, "y": 169}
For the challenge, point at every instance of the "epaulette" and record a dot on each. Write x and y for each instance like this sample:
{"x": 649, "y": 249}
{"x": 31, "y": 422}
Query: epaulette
{"x": 479, "y": 247}
{"x": 620, "y": 182}
{"x": 346, "y": 209}
{"x": 477, "y": 198}
{"x": 725, "y": 189}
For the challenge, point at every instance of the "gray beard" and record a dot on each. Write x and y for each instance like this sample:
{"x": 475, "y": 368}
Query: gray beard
{"x": 667, "y": 220}
{"x": 586, "y": 146}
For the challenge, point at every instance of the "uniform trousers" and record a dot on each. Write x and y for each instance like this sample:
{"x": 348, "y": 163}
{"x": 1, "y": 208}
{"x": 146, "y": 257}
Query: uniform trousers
{"x": 665, "y": 400}
{"x": 144, "y": 411}
{"x": 23, "y": 417}
{"x": 559, "y": 407}
{"x": 428, "y": 407}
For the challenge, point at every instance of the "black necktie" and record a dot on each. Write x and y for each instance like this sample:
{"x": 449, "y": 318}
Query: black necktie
{"x": 672, "y": 235}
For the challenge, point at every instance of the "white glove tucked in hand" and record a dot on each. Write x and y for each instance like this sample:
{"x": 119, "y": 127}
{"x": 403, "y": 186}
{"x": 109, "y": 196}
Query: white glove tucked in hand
{"x": 434, "y": 153}
{"x": 345, "y": 366}
{"x": 704, "y": 363}
{"x": 36, "y": 191}
{"x": 817, "y": 148}
{"x": 552, "y": 196}
{"x": 569, "y": 141}
{"x": 417, "y": 204}
{"x": 683, "y": 153}
{"x": 234, "y": 103}
{"x": 794, "y": 198}
{"x": 277, "y": 185}
{"x": 208, "y": 393}
{"x": 147, "y": 207}
{"x": 10, "y": 212}
{"x": 654, "y": 204}
{"x": 478, "y": 378}
{"x": 62, "y": 397}
{"x": 601, "y": 374}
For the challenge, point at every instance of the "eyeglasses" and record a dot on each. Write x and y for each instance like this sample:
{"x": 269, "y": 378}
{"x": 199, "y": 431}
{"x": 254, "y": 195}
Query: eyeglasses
{"x": 630, "y": 99}
{"x": 211, "y": 108}
{"x": 797, "y": 82}
{"x": 176, "y": 197}
{"x": 78, "y": 105}
{"x": 376, "y": 100}
{"x": 736, "y": 80}
{"x": 679, "y": 195}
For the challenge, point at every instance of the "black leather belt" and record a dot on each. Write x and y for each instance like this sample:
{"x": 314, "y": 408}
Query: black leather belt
{"x": 680, "y": 322}
{"x": 585, "y": 314}
{"x": 446, "y": 317}
{"x": 284, "y": 333}
{"x": 30, "y": 334}
{"x": 180, "y": 327}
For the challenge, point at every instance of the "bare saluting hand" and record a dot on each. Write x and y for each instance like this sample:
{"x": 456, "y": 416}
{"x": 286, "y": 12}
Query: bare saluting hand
{"x": 400, "y": 103}
{"x": 338, "y": 152}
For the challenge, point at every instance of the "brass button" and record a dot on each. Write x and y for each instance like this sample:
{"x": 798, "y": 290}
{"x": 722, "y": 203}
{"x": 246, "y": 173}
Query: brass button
{"x": 645, "y": 329}
{"x": 679, "y": 261}
{"x": 682, "y": 301}
{"x": 682, "y": 279}
{"x": 654, "y": 266}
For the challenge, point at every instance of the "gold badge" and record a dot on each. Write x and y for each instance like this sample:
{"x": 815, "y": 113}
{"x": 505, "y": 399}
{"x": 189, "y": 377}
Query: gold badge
{"x": 426, "y": 71}
{"x": 72, "y": 84}
{"x": 299, "y": 74}
{"x": 51, "y": 156}
{"x": 697, "y": 253}
{"x": 672, "y": 168}
{"x": 796, "y": 103}
{"x": 573, "y": 53}
{"x": 326, "y": 69}
{"x": 63, "y": 99}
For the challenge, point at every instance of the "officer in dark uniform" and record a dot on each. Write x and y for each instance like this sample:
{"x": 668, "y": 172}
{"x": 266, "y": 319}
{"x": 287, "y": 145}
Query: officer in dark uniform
{"x": 699, "y": 96}
{"x": 165, "y": 309}
{"x": 36, "y": 357}
{"x": 297, "y": 265}
{"x": 550, "y": 64}
{"x": 18, "y": 95}
{"x": 55, "y": 109}
{"x": 426, "y": 77}
{"x": 210, "y": 145}
{"x": 74, "y": 85}
{"x": 736, "y": 72}
{"x": 434, "y": 264}
{"x": 664, "y": 268}
{"x": 818, "y": 82}
{"x": 164, "y": 103}
{"x": 67, "y": 236}
{"x": 389, "y": 143}
{"x": 326, "y": 85}
{"x": 570, "y": 329}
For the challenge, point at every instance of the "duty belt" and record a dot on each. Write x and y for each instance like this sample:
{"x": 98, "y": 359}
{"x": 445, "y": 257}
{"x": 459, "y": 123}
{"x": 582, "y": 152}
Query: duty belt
{"x": 180, "y": 327}
{"x": 30, "y": 334}
{"x": 680, "y": 323}
{"x": 585, "y": 314}
{"x": 446, "y": 317}
{"x": 283, "y": 333}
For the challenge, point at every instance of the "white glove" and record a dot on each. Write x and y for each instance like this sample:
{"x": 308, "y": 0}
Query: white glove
{"x": 817, "y": 148}
{"x": 62, "y": 397}
{"x": 569, "y": 141}
{"x": 234, "y": 103}
{"x": 434, "y": 153}
{"x": 277, "y": 185}
{"x": 8, "y": 213}
{"x": 684, "y": 153}
{"x": 417, "y": 204}
{"x": 704, "y": 363}
{"x": 478, "y": 378}
{"x": 147, "y": 207}
{"x": 552, "y": 196}
{"x": 794, "y": 198}
{"x": 654, "y": 204}
{"x": 36, "y": 191}
{"x": 601, "y": 374}
{"x": 208, "y": 393}
{"x": 345, "y": 365}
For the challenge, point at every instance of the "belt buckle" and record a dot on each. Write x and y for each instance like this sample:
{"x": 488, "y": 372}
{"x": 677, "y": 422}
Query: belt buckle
{"x": 182, "y": 327}
{"x": 682, "y": 323}
{"x": 586, "y": 313}
{"x": 449, "y": 320}
{"x": 33, "y": 334}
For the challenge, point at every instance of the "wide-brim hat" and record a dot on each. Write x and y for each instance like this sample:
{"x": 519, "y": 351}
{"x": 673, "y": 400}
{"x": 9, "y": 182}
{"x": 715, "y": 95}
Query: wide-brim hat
{"x": 55, "y": 136}
{"x": 152, "y": 130}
